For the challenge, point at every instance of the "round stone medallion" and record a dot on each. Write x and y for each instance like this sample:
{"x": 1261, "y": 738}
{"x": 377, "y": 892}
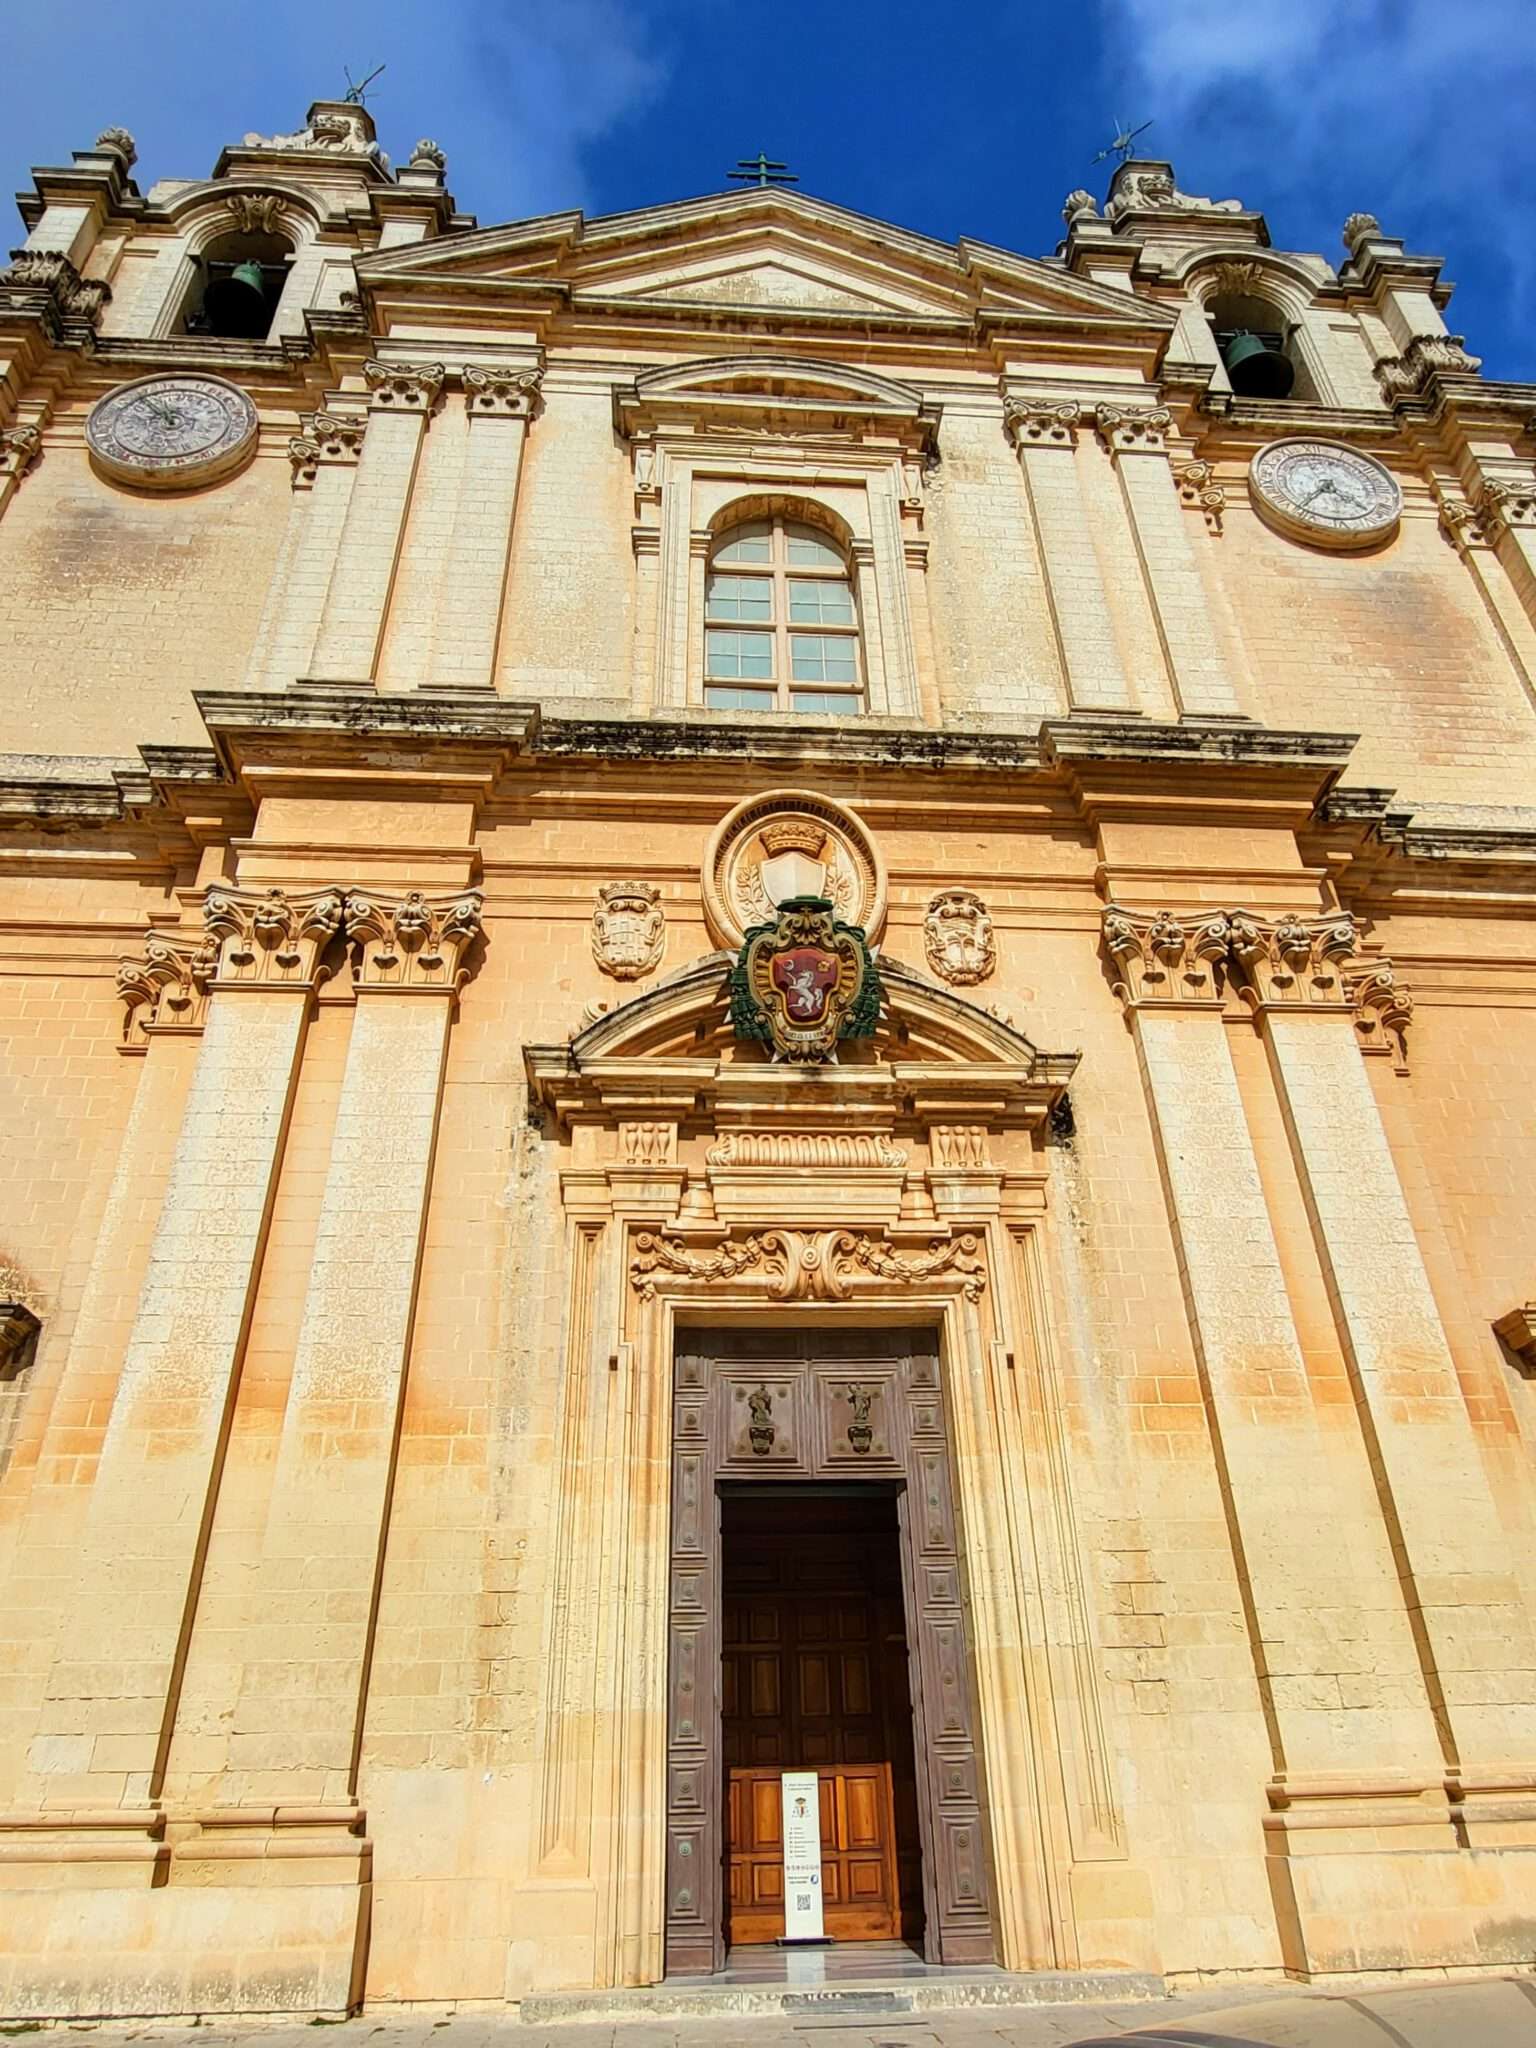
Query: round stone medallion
{"x": 172, "y": 433}
{"x": 791, "y": 842}
{"x": 1326, "y": 493}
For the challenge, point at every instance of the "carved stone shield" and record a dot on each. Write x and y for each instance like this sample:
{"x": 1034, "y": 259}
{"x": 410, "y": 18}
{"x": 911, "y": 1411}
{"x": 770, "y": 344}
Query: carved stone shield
{"x": 804, "y": 982}
{"x": 628, "y": 929}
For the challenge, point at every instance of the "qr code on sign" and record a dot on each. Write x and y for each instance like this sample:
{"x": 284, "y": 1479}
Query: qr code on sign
{"x": 802, "y": 1902}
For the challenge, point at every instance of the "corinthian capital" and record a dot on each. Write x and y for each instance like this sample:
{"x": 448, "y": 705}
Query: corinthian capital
{"x": 1139, "y": 429}
{"x": 268, "y": 938}
{"x": 404, "y": 387}
{"x": 1042, "y": 422}
{"x": 1295, "y": 962}
{"x": 1507, "y": 501}
{"x": 1160, "y": 958}
{"x": 166, "y": 986}
{"x": 412, "y": 942}
{"x": 1383, "y": 1011}
{"x": 513, "y": 394}
{"x": 19, "y": 449}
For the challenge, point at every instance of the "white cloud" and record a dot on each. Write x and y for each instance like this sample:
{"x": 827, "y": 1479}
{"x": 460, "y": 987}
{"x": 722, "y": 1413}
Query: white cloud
{"x": 514, "y": 90}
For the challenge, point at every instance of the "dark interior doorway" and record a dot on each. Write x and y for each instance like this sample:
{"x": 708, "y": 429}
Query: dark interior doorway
{"x": 814, "y": 1676}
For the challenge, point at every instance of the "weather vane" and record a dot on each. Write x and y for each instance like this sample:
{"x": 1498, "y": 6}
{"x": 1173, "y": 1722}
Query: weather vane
{"x": 357, "y": 95}
{"x": 765, "y": 170}
{"x": 1124, "y": 144}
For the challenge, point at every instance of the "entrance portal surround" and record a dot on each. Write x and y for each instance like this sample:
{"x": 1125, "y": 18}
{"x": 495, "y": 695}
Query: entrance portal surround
{"x": 703, "y": 1186}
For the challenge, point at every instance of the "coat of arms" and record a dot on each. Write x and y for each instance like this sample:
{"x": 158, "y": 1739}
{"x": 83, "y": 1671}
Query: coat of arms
{"x": 629, "y": 929}
{"x": 804, "y": 982}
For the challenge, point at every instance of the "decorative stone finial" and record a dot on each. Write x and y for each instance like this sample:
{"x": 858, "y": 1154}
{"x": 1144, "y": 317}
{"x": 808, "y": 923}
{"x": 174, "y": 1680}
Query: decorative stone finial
{"x": 334, "y": 127}
{"x": 119, "y": 143}
{"x": 428, "y": 156}
{"x": 1150, "y": 188}
{"x": 1079, "y": 205}
{"x": 1360, "y": 227}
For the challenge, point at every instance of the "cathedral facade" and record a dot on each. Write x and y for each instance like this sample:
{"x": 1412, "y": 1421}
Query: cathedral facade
{"x": 768, "y": 997}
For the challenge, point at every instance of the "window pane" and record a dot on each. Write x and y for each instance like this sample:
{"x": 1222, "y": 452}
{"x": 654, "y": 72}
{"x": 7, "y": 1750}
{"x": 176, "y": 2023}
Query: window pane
{"x": 820, "y": 603}
{"x": 749, "y": 598}
{"x": 720, "y": 698}
{"x": 819, "y": 658}
{"x": 750, "y": 543}
{"x": 744, "y": 655}
{"x": 825, "y": 700}
{"x": 810, "y": 549}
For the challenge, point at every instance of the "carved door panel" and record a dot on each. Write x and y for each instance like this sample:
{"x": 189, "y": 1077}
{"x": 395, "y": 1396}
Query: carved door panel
{"x": 809, "y": 1675}
{"x": 956, "y": 1878}
{"x": 695, "y": 1939}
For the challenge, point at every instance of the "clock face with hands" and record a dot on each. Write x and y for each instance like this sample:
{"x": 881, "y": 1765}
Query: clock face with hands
{"x": 171, "y": 433}
{"x": 1323, "y": 492}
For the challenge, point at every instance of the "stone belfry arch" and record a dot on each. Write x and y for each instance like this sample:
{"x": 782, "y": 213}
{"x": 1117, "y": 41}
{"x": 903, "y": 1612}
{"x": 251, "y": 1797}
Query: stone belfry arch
{"x": 701, "y": 1186}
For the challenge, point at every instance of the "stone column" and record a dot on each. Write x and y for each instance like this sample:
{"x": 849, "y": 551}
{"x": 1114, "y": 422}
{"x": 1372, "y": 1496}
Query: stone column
{"x": 312, "y": 1600}
{"x": 1452, "y": 1555}
{"x": 113, "y": 1688}
{"x": 401, "y": 395}
{"x": 1045, "y": 433}
{"x": 499, "y": 404}
{"x": 1136, "y": 437}
{"x": 875, "y": 692}
{"x": 1507, "y": 508}
{"x": 1334, "y": 1655}
{"x": 324, "y": 459}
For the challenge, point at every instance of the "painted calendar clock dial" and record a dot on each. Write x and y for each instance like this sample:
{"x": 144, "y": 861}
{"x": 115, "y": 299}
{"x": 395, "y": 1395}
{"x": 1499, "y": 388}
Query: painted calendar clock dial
{"x": 1322, "y": 492}
{"x": 172, "y": 433}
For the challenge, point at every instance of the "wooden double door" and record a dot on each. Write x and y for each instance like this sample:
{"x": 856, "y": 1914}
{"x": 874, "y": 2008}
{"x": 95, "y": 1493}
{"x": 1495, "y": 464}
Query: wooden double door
{"x": 814, "y": 1678}
{"x": 817, "y": 1623}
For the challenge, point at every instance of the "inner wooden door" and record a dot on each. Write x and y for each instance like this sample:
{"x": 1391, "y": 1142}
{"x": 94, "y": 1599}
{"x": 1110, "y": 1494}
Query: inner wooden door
{"x": 814, "y": 1677}
{"x": 860, "y": 1897}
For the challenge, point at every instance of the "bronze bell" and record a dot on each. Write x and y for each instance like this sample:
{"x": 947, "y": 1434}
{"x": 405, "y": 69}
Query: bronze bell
{"x": 1256, "y": 369}
{"x": 237, "y": 305}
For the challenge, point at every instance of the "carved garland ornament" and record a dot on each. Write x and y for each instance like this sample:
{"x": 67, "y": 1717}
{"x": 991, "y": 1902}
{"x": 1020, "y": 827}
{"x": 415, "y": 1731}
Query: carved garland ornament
{"x": 805, "y": 1265}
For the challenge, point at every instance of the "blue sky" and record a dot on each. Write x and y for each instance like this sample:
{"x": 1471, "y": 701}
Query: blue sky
{"x": 947, "y": 119}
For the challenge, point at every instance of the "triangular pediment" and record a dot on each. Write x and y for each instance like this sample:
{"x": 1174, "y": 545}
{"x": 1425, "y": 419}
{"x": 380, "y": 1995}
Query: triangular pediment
{"x": 778, "y": 251}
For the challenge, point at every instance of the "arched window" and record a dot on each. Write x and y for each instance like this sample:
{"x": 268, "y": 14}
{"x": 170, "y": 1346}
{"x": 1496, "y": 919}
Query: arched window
{"x": 781, "y": 629}
{"x": 240, "y": 278}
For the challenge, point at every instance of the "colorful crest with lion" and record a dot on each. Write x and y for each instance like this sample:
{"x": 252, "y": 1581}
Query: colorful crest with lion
{"x": 804, "y": 982}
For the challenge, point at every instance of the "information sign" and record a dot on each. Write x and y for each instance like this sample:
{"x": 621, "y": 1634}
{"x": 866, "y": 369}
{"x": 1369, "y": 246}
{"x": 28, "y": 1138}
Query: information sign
{"x": 802, "y": 1857}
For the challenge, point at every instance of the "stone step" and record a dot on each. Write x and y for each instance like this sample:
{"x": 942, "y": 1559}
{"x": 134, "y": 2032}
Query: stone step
{"x": 938, "y": 1993}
